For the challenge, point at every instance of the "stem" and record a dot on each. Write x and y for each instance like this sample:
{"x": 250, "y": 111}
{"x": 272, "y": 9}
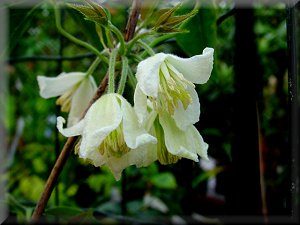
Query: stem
{"x": 60, "y": 162}
{"x": 147, "y": 48}
{"x": 74, "y": 39}
{"x": 116, "y": 31}
{"x": 109, "y": 38}
{"x": 111, "y": 71}
{"x": 123, "y": 75}
{"x": 133, "y": 19}
{"x": 68, "y": 147}
{"x": 93, "y": 67}
{"x": 161, "y": 39}
{"x": 100, "y": 35}
{"x": 131, "y": 78}
{"x": 138, "y": 37}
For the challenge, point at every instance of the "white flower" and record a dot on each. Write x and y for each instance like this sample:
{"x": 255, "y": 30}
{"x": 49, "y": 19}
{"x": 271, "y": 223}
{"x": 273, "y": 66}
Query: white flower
{"x": 167, "y": 82}
{"x": 174, "y": 143}
{"x": 75, "y": 91}
{"x": 111, "y": 135}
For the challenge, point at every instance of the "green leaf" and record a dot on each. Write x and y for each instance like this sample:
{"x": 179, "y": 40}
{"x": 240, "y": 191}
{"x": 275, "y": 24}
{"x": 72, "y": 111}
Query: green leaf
{"x": 164, "y": 180}
{"x": 92, "y": 12}
{"x": 166, "y": 15}
{"x": 202, "y": 32}
{"x": 63, "y": 211}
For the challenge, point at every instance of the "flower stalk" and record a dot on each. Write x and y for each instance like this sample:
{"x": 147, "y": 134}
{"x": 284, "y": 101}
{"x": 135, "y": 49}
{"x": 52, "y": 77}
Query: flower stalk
{"x": 69, "y": 145}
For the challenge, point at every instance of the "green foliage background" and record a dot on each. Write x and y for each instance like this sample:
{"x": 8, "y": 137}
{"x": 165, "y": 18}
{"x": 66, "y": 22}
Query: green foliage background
{"x": 84, "y": 191}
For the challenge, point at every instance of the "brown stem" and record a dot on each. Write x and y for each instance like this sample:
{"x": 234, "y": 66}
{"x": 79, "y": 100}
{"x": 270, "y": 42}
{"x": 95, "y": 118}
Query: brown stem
{"x": 132, "y": 21}
{"x": 68, "y": 147}
{"x": 61, "y": 160}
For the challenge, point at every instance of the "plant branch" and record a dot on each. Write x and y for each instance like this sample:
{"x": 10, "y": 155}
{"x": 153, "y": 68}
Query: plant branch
{"x": 133, "y": 19}
{"x": 61, "y": 160}
{"x": 68, "y": 147}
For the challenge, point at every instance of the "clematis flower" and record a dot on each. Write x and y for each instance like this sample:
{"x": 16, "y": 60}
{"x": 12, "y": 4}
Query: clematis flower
{"x": 75, "y": 91}
{"x": 167, "y": 82}
{"x": 174, "y": 143}
{"x": 111, "y": 135}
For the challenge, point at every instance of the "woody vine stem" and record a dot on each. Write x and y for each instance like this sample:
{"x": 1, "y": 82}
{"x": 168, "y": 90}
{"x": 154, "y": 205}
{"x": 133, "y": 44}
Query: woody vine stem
{"x": 68, "y": 147}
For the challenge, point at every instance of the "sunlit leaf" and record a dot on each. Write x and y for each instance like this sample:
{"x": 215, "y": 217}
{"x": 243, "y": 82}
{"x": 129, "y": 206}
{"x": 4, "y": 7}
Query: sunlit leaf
{"x": 164, "y": 180}
{"x": 202, "y": 32}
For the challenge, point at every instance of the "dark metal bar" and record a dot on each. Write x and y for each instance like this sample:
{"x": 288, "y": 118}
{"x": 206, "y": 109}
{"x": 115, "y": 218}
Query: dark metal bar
{"x": 243, "y": 190}
{"x": 293, "y": 75}
{"x": 49, "y": 58}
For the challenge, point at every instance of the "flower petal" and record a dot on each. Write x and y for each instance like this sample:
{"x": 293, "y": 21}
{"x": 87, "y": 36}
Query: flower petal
{"x": 186, "y": 143}
{"x": 140, "y": 104}
{"x": 143, "y": 155}
{"x": 148, "y": 74}
{"x": 75, "y": 130}
{"x": 134, "y": 134}
{"x": 103, "y": 117}
{"x": 55, "y": 86}
{"x": 196, "y": 69}
{"x": 81, "y": 99}
{"x": 184, "y": 118}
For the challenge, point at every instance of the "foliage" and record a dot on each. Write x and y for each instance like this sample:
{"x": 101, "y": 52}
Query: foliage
{"x": 85, "y": 193}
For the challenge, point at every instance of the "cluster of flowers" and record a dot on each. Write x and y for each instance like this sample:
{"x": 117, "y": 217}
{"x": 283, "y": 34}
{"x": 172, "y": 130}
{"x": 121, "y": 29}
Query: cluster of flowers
{"x": 160, "y": 125}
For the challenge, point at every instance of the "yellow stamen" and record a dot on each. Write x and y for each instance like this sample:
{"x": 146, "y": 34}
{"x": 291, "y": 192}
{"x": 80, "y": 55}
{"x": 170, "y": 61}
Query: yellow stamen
{"x": 114, "y": 144}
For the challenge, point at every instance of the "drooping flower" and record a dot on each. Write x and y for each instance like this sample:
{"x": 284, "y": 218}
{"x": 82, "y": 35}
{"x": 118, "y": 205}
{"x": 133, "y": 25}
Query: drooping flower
{"x": 75, "y": 90}
{"x": 174, "y": 143}
{"x": 167, "y": 81}
{"x": 111, "y": 135}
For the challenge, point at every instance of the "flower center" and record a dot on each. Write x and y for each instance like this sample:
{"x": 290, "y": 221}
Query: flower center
{"x": 114, "y": 144}
{"x": 65, "y": 100}
{"x": 163, "y": 155}
{"x": 173, "y": 88}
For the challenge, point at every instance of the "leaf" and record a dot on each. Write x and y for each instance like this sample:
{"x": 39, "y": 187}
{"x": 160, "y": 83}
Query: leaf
{"x": 92, "y": 12}
{"x": 63, "y": 211}
{"x": 202, "y": 32}
{"x": 164, "y": 180}
{"x": 166, "y": 15}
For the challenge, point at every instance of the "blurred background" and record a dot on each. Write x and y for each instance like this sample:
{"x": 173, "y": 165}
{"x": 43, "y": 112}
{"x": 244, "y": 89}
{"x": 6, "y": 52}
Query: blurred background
{"x": 245, "y": 119}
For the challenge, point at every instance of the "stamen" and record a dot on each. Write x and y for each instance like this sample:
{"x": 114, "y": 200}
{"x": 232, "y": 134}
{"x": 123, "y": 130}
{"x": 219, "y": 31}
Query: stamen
{"x": 163, "y": 155}
{"x": 173, "y": 88}
{"x": 114, "y": 144}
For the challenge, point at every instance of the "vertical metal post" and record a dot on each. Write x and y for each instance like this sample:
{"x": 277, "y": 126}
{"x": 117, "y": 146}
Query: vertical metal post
{"x": 243, "y": 191}
{"x": 294, "y": 99}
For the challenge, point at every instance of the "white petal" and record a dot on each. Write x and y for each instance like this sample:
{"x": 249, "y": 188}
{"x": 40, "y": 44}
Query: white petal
{"x": 81, "y": 99}
{"x": 143, "y": 156}
{"x": 117, "y": 165}
{"x": 186, "y": 143}
{"x": 148, "y": 74}
{"x": 197, "y": 142}
{"x": 196, "y": 69}
{"x": 140, "y": 104}
{"x": 134, "y": 134}
{"x": 55, "y": 86}
{"x": 103, "y": 117}
{"x": 75, "y": 130}
{"x": 184, "y": 118}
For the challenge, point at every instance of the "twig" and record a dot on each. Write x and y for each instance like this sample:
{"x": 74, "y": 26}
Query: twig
{"x": 61, "y": 160}
{"x": 68, "y": 147}
{"x": 132, "y": 21}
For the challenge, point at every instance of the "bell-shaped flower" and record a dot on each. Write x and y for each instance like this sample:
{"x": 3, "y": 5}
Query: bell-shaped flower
{"x": 75, "y": 90}
{"x": 111, "y": 135}
{"x": 174, "y": 143}
{"x": 167, "y": 81}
